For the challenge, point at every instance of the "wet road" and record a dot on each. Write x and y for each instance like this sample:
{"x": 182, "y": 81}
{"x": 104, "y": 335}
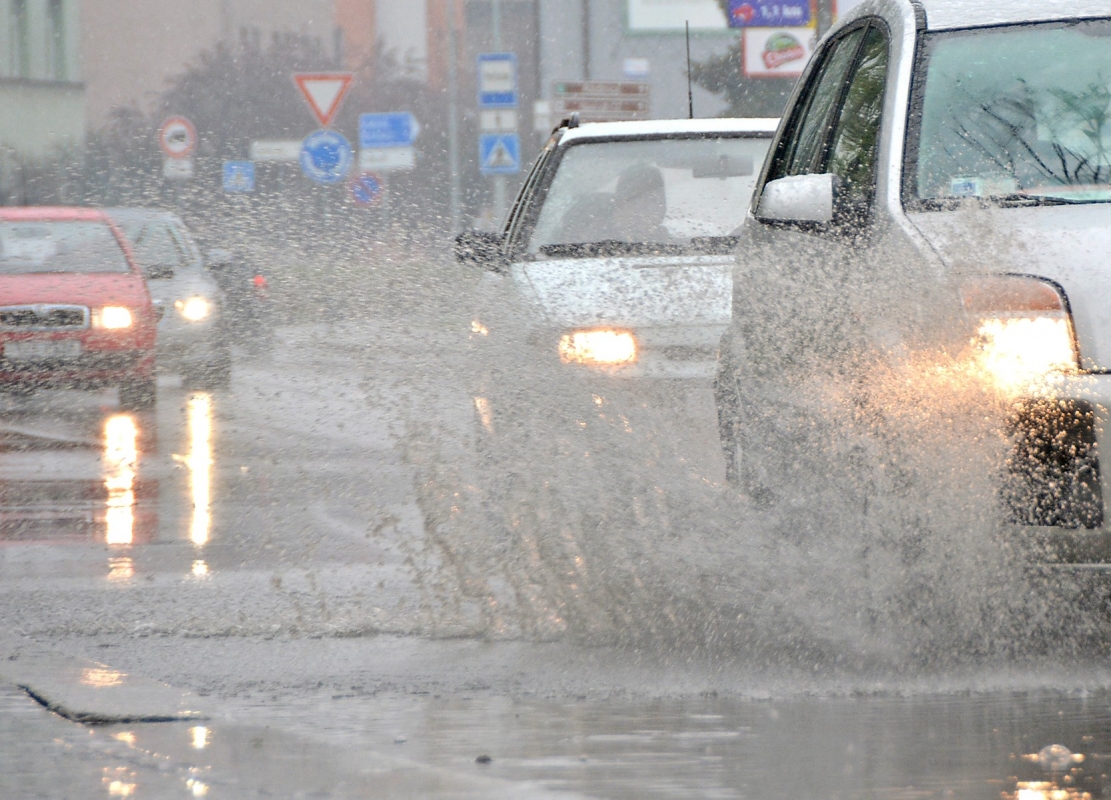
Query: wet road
{"x": 273, "y": 549}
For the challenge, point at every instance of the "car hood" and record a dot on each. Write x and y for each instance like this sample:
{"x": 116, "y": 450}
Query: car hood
{"x": 88, "y": 290}
{"x": 1069, "y": 245}
{"x": 630, "y": 292}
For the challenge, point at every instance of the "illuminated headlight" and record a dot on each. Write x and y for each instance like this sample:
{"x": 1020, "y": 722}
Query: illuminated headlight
{"x": 608, "y": 347}
{"x": 1025, "y": 331}
{"x": 113, "y": 318}
{"x": 194, "y": 309}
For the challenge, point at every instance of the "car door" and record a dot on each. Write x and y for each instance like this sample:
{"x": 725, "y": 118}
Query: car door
{"x": 795, "y": 283}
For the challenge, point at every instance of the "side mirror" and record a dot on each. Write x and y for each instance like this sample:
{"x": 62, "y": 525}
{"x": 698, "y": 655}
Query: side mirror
{"x": 799, "y": 198}
{"x": 157, "y": 272}
{"x": 481, "y": 248}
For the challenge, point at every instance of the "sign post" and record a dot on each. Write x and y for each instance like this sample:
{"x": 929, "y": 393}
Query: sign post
{"x": 326, "y": 157}
{"x": 178, "y": 139}
{"x": 499, "y": 146}
{"x": 602, "y": 101}
{"x": 386, "y": 141}
{"x": 323, "y": 92}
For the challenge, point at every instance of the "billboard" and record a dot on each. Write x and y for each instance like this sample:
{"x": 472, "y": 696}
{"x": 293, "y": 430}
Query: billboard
{"x": 654, "y": 16}
{"x": 777, "y": 52}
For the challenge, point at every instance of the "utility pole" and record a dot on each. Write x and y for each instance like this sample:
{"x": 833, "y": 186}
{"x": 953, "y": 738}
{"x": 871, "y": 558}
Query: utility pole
{"x": 586, "y": 39}
{"x": 453, "y": 119}
{"x": 825, "y": 16}
{"x": 499, "y": 180}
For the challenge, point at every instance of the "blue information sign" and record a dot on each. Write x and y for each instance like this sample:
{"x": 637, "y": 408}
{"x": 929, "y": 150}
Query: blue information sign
{"x": 497, "y": 80}
{"x": 367, "y": 189}
{"x": 769, "y": 13}
{"x": 326, "y": 156}
{"x": 387, "y": 130}
{"x": 239, "y": 176}
{"x": 499, "y": 153}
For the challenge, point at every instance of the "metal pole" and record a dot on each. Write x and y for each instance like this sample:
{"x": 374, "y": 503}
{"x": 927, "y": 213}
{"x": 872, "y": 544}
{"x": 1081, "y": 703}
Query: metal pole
{"x": 586, "y": 39}
{"x": 453, "y": 121}
{"x": 499, "y": 180}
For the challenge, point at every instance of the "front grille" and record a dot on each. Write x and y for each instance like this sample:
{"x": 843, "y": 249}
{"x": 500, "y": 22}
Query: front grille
{"x": 43, "y": 317}
{"x": 86, "y": 362}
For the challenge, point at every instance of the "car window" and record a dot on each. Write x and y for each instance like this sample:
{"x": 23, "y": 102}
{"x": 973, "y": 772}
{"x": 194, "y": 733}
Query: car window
{"x": 656, "y": 192}
{"x": 59, "y": 246}
{"x": 156, "y": 246}
{"x": 803, "y": 151}
{"x": 856, "y": 140}
{"x": 1017, "y": 111}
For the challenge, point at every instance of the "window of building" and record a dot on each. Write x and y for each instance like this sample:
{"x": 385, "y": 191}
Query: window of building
{"x": 56, "y": 39}
{"x": 21, "y": 39}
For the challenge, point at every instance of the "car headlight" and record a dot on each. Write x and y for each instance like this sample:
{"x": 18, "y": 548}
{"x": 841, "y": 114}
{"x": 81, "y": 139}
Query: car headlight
{"x": 113, "y": 318}
{"x": 1025, "y": 330}
{"x": 194, "y": 309}
{"x": 604, "y": 347}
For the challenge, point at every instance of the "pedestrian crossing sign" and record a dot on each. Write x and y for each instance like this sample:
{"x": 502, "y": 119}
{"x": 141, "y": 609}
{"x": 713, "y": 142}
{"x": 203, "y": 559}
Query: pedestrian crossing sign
{"x": 499, "y": 153}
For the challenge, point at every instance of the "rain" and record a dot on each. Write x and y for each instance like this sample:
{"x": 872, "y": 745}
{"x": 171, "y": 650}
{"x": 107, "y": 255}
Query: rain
{"x": 519, "y": 398}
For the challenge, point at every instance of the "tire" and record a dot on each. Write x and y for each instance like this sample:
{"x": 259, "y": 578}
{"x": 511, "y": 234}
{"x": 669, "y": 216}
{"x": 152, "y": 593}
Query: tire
{"x": 138, "y": 395}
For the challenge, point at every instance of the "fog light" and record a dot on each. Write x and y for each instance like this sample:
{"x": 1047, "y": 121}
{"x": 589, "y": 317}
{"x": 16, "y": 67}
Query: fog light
{"x": 194, "y": 309}
{"x": 608, "y": 347}
{"x": 115, "y": 317}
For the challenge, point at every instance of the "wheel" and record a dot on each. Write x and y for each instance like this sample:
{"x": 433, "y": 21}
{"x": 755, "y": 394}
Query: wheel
{"x": 138, "y": 395}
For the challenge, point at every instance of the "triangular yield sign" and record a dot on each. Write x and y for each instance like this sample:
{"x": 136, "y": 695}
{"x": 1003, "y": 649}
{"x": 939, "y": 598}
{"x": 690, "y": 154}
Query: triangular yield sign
{"x": 324, "y": 92}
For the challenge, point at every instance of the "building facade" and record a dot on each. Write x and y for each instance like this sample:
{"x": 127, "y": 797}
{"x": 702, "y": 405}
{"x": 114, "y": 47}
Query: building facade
{"x": 132, "y": 49}
{"x": 42, "y": 95}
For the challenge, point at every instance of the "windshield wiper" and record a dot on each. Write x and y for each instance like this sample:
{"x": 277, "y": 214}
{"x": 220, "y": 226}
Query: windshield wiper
{"x": 1020, "y": 199}
{"x": 610, "y": 247}
{"x": 705, "y": 245}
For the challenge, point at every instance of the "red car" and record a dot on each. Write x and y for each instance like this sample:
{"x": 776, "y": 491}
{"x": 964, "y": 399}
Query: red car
{"x": 74, "y": 307}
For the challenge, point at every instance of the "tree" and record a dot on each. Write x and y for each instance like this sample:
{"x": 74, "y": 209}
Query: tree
{"x": 747, "y": 97}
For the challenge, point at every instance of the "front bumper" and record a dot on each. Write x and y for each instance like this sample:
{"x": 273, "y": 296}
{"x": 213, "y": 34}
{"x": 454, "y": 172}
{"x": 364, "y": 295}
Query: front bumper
{"x": 92, "y": 369}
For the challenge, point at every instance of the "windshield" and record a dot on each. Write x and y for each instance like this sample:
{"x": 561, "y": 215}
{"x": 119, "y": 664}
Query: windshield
{"x": 50, "y": 246}
{"x": 655, "y": 192}
{"x": 1015, "y": 112}
{"x": 154, "y": 244}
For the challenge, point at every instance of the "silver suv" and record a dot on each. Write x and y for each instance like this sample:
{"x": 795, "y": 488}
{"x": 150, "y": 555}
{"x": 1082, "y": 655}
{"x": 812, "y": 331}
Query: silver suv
{"x": 930, "y": 242}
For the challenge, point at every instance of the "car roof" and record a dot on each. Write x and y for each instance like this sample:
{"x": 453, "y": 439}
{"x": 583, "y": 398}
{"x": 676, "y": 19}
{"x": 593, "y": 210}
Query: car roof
{"x": 641, "y": 129}
{"x": 140, "y": 214}
{"x": 950, "y": 14}
{"x": 51, "y": 214}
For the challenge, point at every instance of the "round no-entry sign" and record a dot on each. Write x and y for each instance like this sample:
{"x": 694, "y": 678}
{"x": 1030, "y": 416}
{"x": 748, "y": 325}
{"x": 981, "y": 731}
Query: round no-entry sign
{"x": 177, "y": 137}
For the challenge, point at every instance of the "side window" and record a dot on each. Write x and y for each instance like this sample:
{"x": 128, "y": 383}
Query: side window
{"x": 803, "y": 150}
{"x": 856, "y": 141}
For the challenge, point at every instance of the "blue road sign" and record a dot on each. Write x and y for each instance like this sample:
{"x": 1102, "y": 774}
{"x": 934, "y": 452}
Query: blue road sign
{"x": 499, "y": 153}
{"x": 769, "y": 13}
{"x": 239, "y": 176}
{"x": 367, "y": 189}
{"x": 497, "y": 80}
{"x": 387, "y": 130}
{"x": 326, "y": 156}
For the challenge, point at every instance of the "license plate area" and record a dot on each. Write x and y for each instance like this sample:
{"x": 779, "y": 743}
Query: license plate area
{"x": 32, "y": 351}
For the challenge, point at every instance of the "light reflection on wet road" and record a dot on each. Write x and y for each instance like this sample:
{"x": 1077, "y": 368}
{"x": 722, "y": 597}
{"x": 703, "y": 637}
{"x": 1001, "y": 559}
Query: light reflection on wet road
{"x": 210, "y": 543}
